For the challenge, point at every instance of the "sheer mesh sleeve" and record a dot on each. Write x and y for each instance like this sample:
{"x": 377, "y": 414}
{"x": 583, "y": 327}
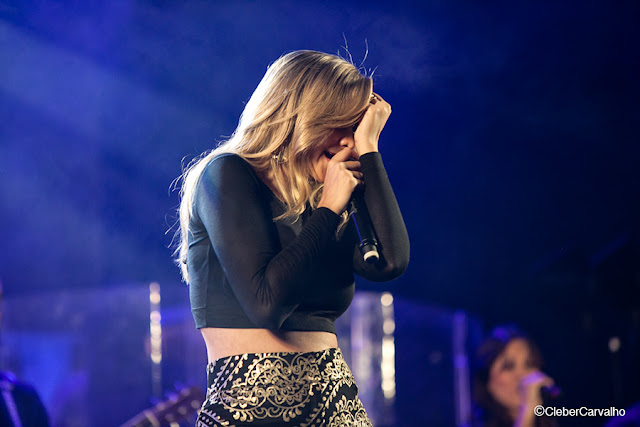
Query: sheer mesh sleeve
{"x": 393, "y": 239}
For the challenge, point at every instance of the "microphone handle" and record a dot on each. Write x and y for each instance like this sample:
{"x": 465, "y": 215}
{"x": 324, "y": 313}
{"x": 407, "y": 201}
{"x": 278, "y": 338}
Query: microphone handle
{"x": 360, "y": 216}
{"x": 549, "y": 393}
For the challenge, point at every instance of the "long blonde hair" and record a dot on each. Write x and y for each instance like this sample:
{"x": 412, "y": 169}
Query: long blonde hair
{"x": 301, "y": 99}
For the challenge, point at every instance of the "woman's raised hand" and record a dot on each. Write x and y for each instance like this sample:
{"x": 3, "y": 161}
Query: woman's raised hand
{"x": 530, "y": 391}
{"x": 368, "y": 132}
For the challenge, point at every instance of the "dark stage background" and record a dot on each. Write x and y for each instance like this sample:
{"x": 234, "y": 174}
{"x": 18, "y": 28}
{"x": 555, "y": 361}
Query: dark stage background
{"x": 513, "y": 148}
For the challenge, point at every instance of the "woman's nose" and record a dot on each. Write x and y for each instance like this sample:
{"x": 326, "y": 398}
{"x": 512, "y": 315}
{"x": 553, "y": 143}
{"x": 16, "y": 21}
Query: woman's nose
{"x": 347, "y": 141}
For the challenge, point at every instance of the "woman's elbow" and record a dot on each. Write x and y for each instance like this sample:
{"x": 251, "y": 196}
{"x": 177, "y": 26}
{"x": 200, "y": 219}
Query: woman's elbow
{"x": 395, "y": 269}
{"x": 265, "y": 317}
{"x": 397, "y": 264}
{"x": 266, "y": 308}
{"x": 390, "y": 270}
{"x": 398, "y": 268}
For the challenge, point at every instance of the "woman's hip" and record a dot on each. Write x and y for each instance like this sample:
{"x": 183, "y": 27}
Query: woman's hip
{"x": 303, "y": 389}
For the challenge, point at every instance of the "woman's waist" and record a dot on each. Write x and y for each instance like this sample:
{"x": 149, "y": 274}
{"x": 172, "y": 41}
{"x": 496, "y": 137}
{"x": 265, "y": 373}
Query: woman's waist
{"x": 224, "y": 342}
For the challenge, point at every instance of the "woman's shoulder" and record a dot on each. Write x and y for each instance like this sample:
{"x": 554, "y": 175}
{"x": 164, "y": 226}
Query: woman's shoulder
{"x": 229, "y": 160}
{"x": 230, "y": 165}
{"x": 229, "y": 170}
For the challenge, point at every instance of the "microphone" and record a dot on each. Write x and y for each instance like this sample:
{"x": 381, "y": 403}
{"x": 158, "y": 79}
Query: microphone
{"x": 549, "y": 393}
{"x": 360, "y": 216}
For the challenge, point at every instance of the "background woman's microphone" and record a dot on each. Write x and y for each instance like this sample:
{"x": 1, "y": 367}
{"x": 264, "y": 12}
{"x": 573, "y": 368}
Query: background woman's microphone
{"x": 549, "y": 393}
{"x": 366, "y": 235}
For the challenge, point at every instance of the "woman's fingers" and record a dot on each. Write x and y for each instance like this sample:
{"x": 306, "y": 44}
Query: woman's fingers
{"x": 375, "y": 98}
{"x": 345, "y": 158}
{"x": 530, "y": 386}
{"x": 342, "y": 177}
{"x": 536, "y": 380}
{"x": 341, "y": 156}
{"x": 352, "y": 165}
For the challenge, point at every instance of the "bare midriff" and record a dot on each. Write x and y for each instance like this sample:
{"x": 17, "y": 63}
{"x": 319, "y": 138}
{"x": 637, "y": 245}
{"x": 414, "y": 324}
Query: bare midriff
{"x": 223, "y": 342}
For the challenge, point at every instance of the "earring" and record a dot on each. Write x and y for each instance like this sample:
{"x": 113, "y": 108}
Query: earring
{"x": 279, "y": 157}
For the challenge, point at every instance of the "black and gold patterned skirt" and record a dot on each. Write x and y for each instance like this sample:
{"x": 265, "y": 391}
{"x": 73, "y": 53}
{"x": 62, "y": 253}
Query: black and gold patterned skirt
{"x": 275, "y": 389}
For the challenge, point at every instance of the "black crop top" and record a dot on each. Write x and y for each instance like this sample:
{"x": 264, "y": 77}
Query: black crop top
{"x": 247, "y": 271}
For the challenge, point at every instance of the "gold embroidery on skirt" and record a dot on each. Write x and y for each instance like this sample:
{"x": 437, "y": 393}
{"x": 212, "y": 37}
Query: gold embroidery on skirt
{"x": 270, "y": 386}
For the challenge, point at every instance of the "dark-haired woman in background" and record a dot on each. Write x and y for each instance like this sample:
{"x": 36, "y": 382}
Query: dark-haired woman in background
{"x": 508, "y": 381}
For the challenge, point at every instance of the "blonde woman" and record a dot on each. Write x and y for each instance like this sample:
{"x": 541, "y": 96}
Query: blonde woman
{"x": 268, "y": 251}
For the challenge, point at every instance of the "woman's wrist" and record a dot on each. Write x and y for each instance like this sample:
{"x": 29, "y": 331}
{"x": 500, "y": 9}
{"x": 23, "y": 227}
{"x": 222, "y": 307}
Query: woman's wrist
{"x": 332, "y": 207}
{"x": 368, "y": 148}
{"x": 526, "y": 417}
